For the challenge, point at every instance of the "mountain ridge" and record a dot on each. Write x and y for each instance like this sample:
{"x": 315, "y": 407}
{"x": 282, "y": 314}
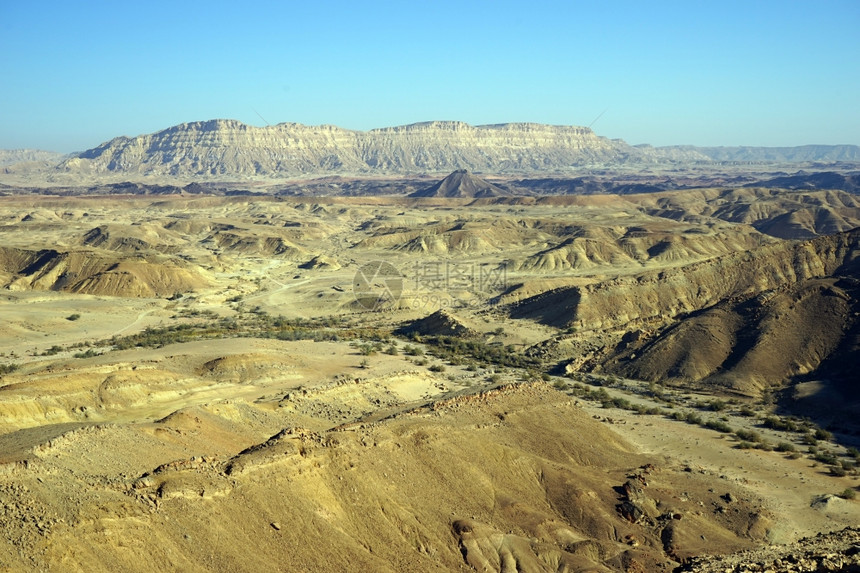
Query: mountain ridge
{"x": 222, "y": 147}
{"x": 219, "y": 148}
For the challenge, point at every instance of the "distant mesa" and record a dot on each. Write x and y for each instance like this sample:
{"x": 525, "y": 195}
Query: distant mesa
{"x": 222, "y": 149}
{"x": 227, "y": 148}
{"x": 461, "y": 183}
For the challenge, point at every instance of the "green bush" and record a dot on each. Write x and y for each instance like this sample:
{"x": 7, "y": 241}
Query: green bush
{"x": 86, "y": 354}
{"x": 824, "y": 435}
{"x": 693, "y": 418}
{"x": 748, "y": 435}
{"x": 826, "y": 457}
{"x": 776, "y": 423}
{"x": 719, "y": 426}
{"x": 785, "y": 447}
{"x": 717, "y": 405}
{"x": 746, "y": 411}
{"x": 8, "y": 368}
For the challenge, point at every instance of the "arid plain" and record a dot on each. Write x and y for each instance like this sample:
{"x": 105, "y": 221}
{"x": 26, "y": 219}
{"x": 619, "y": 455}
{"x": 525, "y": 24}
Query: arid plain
{"x": 446, "y": 373}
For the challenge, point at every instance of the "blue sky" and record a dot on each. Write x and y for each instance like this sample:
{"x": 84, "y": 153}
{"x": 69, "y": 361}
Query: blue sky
{"x": 75, "y": 74}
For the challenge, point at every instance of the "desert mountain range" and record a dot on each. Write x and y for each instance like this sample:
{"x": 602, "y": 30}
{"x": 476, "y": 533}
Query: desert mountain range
{"x": 221, "y": 148}
{"x": 462, "y": 358}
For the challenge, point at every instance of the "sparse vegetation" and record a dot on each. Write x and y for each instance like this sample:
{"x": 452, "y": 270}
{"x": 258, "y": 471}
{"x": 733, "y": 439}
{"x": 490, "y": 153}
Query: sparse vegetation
{"x": 86, "y": 354}
{"x": 719, "y": 426}
{"x": 448, "y": 347}
{"x": 73, "y": 317}
{"x": 748, "y": 435}
{"x": 8, "y": 368}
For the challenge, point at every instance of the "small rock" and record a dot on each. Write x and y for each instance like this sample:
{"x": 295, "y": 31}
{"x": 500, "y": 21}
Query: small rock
{"x": 275, "y": 525}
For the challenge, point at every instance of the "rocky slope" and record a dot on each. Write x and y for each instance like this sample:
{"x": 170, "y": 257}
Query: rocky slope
{"x": 656, "y": 295}
{"x": 836, "y": 551}
{"x": 220, "y": 147}
{"x": 518, "y": 474}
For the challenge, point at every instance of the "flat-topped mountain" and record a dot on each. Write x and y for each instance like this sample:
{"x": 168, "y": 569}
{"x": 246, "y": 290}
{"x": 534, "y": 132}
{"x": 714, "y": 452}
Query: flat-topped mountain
{"x": 229, "y": 147}
{"x": 461, "y": 183}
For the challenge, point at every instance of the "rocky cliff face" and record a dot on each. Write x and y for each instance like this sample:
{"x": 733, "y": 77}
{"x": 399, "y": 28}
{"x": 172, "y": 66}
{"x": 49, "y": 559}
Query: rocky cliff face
{"x": 229, "y": 147}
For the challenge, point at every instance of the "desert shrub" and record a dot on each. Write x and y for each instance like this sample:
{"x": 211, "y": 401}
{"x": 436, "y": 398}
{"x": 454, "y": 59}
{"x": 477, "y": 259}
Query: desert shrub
{"x": 73, "y": 317}
{"x": 86, "y": 354}
{"x": 600, "y": 395}
{"x": 848, "y": 493}
{"x": 717, "y": 405}
{"x": 8, "y": 368}
{"x": 366, "y": 349}
{"x": 447, "y": 346}
{"x": 437, "y": 368}
{"x": 693, "y": 418}
{"x": 785, "y": 447}
{"x": 777, "y": 423}
{"x": 616, "y": 402}
{"x": 826, "y": 457}
{"x": 392, "y": 350}
{"x": 748, "y": 435}
{"x": 413, "y": 350}
{"x": 560, "y": 385}
{"x": 838, "y": 471}
{"x": 719, "y": 426}
{"x": 746, "y": 411}
{"x": 821, "y": 434}
{"x": 745, "y": 446}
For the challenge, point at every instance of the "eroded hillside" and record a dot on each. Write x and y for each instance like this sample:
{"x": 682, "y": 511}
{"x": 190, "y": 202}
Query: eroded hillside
{"x": 185, "y": 376}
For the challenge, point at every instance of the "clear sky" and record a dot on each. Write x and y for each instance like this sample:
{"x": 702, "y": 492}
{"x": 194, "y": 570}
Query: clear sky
{"x": 787, "y": 72}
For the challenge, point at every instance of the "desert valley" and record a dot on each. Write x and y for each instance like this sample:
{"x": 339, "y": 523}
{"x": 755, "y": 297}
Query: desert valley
{"x": 435, "y": 347}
